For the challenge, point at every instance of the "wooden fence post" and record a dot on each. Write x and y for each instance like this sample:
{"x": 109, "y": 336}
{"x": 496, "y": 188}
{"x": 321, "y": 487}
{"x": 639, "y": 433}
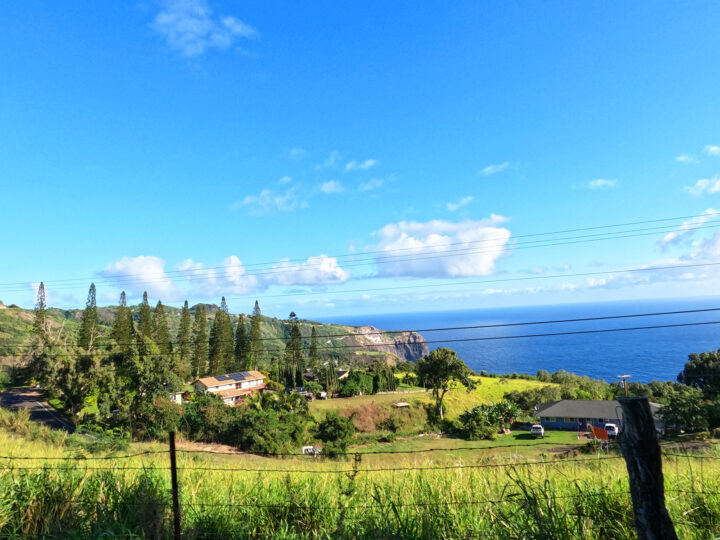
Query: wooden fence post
{"x": 175, "y": 494}
{"x": 639, "y": 445}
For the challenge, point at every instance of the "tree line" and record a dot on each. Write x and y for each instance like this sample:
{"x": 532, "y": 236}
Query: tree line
{"x": 122, "y": 371}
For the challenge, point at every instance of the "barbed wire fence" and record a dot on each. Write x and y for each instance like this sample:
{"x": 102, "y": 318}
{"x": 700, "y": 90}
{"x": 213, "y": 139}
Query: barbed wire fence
{"x": 172, "y": 508}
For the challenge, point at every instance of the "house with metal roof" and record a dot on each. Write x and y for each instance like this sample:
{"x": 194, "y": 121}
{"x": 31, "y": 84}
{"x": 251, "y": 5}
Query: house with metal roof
{"x": 580, "y": 414}
{"x": 232, "y": 387}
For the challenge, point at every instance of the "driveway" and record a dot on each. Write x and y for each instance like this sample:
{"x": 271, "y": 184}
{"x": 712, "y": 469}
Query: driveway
{"x": 31, "y": 399}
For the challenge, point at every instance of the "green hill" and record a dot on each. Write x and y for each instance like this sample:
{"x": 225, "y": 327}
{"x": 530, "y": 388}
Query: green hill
{"x": 348, "y": 345}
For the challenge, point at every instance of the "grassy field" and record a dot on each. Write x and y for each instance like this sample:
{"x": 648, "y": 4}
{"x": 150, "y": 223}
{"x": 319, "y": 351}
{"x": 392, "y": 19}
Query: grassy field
{"x": 473, "y": 493}
{"x": 457, "y": 400}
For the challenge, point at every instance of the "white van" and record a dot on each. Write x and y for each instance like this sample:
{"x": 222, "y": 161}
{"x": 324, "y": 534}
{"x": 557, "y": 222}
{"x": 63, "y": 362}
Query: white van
{"x": 612, "y": 430}
{"x": 537, "y": 431}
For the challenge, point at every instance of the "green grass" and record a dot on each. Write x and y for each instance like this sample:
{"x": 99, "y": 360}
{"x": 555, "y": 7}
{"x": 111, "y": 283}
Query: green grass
{"x": 517, "y": 442}
{"x": 281, "y": 498}
{"x": 457, "y": 400}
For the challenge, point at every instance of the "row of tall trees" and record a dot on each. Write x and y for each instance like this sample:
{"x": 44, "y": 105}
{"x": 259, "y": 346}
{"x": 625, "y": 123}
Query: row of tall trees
{"x": 198, "y": 349}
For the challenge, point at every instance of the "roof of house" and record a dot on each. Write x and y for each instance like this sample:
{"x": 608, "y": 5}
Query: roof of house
{"x": 584, "y": 408}
{"x": 230, "y": 378}
{"x": 233, "y": 392}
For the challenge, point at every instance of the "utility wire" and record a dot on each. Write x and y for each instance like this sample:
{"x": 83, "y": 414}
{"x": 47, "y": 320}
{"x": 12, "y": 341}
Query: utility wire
{"x": 458, "y": 340}
{"x": 563, "y": 231}
{"x": 453, "y": 328}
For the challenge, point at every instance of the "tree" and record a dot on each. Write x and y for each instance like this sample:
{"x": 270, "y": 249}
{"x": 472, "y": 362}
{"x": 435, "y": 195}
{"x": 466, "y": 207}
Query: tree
{"x": 437, "y": 370}
{"x": 89, "y": 328}
{"x": 686, "y": 410}
{"x": 221, "y": 342}
{"x": 145, "y": 326}
{"x": 313, "y": 348}
{"x": 256, "y": 346}
{"x": 327, "y": 375}
{"x": 161, "y": 333}
{"x": 184, "y": 340}
{"x": 123, "y": 330}
{"x": 242, "y": 345}
{"x": 294, "y": 363}
{"x": 702, "y": 371}
{"x": 336, "y": 432}
{"x": 200, "y": 342}
{"x": 40, "y": 323}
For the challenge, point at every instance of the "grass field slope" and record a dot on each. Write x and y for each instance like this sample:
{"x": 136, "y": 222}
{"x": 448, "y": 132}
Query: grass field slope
{"x": 61, "y": 490}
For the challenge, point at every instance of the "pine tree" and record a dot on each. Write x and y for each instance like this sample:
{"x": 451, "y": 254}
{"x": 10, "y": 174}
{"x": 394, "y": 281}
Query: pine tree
{"x": 123, "y": 330}
{"x": 40, "y": 324}
{"x": 145, "y": 326}
{"x": 256, "y": 346}
{"x": 200, "y": 342}
{"x": 221, "y": 341}
{"x": 184, "y": 340}
{"x": 241, "y": 345}
{"x": 313, "y": 348}
{"x": 293, "y": 358}
{"x": 89, "y": 327}
{"x": 161, "y": 333}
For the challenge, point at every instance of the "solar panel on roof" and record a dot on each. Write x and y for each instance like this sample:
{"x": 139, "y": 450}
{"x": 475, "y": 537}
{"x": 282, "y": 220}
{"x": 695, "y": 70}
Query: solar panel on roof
{"x": 245, "y": 373}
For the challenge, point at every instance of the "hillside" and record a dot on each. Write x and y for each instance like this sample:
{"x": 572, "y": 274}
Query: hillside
{"x": 348, "y": 345}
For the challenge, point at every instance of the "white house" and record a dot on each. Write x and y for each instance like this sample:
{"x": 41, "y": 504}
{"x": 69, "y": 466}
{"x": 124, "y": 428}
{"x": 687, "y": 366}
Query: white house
{"x": 232, "y": 387}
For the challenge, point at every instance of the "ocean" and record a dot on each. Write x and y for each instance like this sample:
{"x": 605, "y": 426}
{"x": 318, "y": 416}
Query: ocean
{"x": 646, "y": 355}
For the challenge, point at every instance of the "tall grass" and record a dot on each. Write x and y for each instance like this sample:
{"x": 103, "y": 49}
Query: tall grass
{"x": 556, "y": 499}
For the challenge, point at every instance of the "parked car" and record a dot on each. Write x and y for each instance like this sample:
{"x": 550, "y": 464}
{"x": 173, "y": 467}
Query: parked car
{"x": 612, "y": 430}
{"x": 310, "y": 451}
{"x": 537, "y": 431}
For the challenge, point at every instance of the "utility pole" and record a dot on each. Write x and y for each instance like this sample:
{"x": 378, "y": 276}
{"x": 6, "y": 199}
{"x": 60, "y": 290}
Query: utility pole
{"x": 624, "y": 380}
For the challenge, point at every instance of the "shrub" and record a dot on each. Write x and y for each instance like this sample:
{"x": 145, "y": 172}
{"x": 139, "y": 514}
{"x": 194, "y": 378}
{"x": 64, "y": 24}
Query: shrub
{"x": 336, "y": 432}
{"x": 716, "y": 433}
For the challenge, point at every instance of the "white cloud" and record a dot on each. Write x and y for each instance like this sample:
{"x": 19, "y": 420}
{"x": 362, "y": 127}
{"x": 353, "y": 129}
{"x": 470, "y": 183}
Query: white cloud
{"x": 685, "y": 230}
{"x": 332, "y": 186}
{"x": 320, "y": 270}
{"x": 267, "y": 202}
{"x": 684, "y": 158}
{"x": 441, "y": 248}
{"x": 230, "y": 277}
{"x": 285, "y": 180}
{"x": 457, "y": 205}
{"x": 361, "y": 165}
{"x": 372, "y": 184}
{"x": 602, "y": 183}
{"x": 712, "y": 150}
{"x": 296, "y": 153}
{"x": 331, "y": 162}
{"x": 494, "y": 169}
{"x": 705, "y": 185}
{"x": 137, "y": 274}
{"x": 191, "y": 28}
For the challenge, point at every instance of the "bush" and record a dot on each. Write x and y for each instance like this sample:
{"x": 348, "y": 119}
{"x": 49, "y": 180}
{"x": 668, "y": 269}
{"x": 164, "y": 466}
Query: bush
{"x": 716, "y": 433}
{"x": 336, "y": 432}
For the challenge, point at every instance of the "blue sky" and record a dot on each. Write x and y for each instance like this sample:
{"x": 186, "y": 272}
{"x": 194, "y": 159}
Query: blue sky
{"x": 339, "y": 158}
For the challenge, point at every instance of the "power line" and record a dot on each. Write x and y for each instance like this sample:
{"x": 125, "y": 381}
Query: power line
{"x": 458, "y": 340}
{"x": 201, "y": 274}
{"x": 472, "y": 327}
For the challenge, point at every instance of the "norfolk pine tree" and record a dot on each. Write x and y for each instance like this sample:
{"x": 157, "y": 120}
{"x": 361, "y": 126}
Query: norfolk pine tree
{"x": 40, "y": 323}
{"x": 89, "y": 327}
{"x": 256, "y": 346}
{"x": 221, "y": 341}
{"x": 241, "y": 345}
{"x": 123, "y": 330}
{"x": 184, "y": 340}
{"x": 200, "y": 343}
{"x": 145, "y": 326}
{"x": 161, "y": 333}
